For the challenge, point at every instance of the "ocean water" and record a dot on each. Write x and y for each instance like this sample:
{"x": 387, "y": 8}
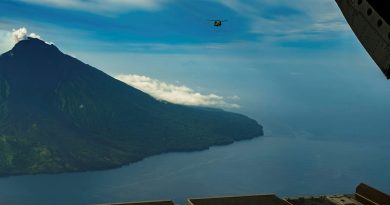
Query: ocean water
{"x": 287, "y": 166}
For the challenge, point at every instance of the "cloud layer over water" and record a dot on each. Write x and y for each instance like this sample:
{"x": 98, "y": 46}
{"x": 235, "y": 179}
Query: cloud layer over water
{"x": 178, "y": 94}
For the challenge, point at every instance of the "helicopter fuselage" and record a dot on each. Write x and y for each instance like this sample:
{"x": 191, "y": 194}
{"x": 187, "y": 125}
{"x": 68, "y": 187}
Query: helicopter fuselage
{"x": 217, "y": 23}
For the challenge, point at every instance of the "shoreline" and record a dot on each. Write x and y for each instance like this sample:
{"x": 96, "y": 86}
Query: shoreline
{"x": 132, "y": 161}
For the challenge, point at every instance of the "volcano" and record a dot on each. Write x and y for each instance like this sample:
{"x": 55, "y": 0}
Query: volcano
{"x": 58, "y": 114}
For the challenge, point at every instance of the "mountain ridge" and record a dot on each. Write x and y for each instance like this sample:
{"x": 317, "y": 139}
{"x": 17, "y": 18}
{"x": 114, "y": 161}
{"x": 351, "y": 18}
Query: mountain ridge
{"x": 58, "y": 114}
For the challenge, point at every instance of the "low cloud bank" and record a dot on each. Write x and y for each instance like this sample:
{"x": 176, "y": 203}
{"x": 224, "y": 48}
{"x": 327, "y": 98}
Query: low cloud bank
{"x": 177, "y": 94}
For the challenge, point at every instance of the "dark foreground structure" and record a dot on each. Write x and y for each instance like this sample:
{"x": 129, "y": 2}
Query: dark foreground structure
{"x": 365, "y": 195}
{"x": 370, "y": 21}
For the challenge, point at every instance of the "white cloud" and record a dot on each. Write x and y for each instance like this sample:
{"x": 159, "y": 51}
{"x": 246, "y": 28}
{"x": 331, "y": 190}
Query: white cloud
{"x": 34, "y": 35}
{"x": 313, "y": 18}
{"x": 101, "y": 6}
{"x": 19, "y": 34}
{"x": 22, "y": 34}
{"x": 178, "y": 94}
{"x": 9, "y": 39}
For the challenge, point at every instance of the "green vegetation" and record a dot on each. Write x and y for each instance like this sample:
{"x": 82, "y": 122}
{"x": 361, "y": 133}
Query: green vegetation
{"x": 4, "y": 93}
{"x": 62, "y": 115}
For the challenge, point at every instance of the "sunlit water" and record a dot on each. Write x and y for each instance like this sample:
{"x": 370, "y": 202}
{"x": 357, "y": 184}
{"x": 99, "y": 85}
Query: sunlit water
{"x": 284, "y": 165}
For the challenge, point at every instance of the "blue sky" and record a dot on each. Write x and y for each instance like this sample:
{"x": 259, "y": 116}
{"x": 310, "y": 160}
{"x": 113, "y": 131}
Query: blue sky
{"x": 284, "y": 63}
{"x": 112, "y": 24}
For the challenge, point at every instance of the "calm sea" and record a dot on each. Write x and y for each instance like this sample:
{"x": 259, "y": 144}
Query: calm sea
{"x": 286, "y": 166}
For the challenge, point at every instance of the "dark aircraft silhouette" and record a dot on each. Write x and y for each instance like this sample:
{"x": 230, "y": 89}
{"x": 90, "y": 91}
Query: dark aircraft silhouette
{"x": 218, "y": 23}
{"x": 370, "y": 21}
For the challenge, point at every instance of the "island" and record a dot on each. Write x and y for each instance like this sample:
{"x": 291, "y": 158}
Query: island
{"x": 58, "y": 114}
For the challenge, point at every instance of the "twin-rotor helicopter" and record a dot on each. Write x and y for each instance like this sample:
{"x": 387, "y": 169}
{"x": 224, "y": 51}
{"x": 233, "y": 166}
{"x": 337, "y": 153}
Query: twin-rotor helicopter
{"x": 217, "y": 22}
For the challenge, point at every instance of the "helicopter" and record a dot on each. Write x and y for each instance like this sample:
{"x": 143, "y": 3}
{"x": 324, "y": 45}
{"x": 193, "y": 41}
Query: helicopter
{"x": 217, "y": 22}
